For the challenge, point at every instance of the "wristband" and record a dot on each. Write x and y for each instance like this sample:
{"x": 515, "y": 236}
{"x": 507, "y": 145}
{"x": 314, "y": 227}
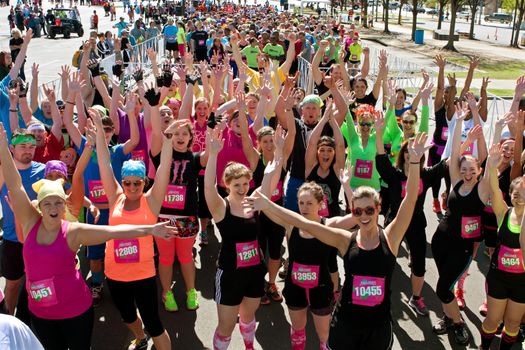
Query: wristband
{"x": 22, "y": 96}
{"x": 13, "y": 110}
{"x": 69, "y": 102}
{"x": 414, "y": 163}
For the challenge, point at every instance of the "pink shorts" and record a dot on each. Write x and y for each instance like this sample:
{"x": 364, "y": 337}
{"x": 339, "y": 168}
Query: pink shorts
{"x": 180, "y": 246}
{"x": 182, "y": 49}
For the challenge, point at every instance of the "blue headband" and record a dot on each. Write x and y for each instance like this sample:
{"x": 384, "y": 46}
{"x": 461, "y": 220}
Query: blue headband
{"x": 133, "y": 168}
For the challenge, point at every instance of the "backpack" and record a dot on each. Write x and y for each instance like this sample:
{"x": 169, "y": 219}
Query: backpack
{"x": 75, "y": 62}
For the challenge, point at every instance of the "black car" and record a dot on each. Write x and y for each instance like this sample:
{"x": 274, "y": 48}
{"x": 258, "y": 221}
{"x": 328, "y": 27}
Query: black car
{"x": 499, "y": 17}
{"x": 63, "y": 21}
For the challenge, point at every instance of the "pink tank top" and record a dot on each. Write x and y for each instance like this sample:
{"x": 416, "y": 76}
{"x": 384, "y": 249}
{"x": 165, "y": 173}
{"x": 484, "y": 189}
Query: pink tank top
{"x": 232, "y": 152}
{"x": 130, "y": 259}
{"x": 55, "y": 287}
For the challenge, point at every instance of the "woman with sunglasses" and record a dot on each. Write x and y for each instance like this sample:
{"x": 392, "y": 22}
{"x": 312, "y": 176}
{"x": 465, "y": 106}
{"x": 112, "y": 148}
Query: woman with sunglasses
{"x": 362, "y": 319}
{"x": 396, "y": 177}
{"x": 362, "y": 144}
{"x": 59, "y": 300}
{"x": 506, "y": 276}
{"x": 453, "y": 243}
{"x": 180, "y": 208}
{"x": 394, "y": 134}
{"x": 129, "y": 264}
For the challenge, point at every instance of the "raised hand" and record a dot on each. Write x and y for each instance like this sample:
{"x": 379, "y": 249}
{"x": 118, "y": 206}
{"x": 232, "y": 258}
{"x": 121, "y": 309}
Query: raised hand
{"x": 471, "y": 100}
{"x": 440, "y": 61}
{"x": 474, "y": 134}
{"x": 96, "y": 118}
{"x": 379, "y": 120}
{"x": 425, "y": 76}
{"x": 138, "y": 74}
{"x": 451, "y": 79}
{"x": 272, "y": 166}
{"x": 50, "y": 93}
{"x": 345, "y": 176}
{"x": 131, "y": 102}
{"x": 152, "y": 54}
{"x": 34, "y": 71}
{"x": 162, "y": 230}
{"x": 75, "y": 83}
{"x": 427, "y": 91}
{"x": 257, "y": 201}
{"x": 520, "y": 86}
{"x": 13, "y": 97}
{"x": 507, "y": 118}
{"x": 279, "y": 137}
{"x": 3, "y": 137}
{"x": 91, "y": 134}
{"x": 484, "y": 83}
{"x": 152, "y": 95}
{"x": 494, "y": 156}
{"x": 417, "y": 148}
{"x": 462, "y": 110}
{"x": 215, "y": 142}
{"x": 474, "y": 61}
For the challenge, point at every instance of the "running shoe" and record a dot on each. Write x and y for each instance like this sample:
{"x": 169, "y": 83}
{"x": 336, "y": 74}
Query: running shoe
{"x": 483, "y": 309}
{"x": 460, "y": 333}
{"x": 96, "y": 294}
{"x": 436, "y": 207}
{"x": 203, "y": 237}
{"x": 192, "y": 302}
{"x": 137, "y": 344}
{"x": 418, "y": 305}
{"x": 443, "y": 325}
{"x": 460, "y": 298}
{"x": 274, "y": 293}
{"x": 444, "y": 201}
{"x": 284, "y": 270}
{"x": 169, "y": 302}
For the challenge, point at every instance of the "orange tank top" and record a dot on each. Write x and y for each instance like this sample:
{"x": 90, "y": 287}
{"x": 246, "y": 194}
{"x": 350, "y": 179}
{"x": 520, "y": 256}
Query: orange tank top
{"x": 130, "y": 259}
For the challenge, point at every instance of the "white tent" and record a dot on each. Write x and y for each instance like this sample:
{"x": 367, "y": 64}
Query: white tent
{"x": 325, "y": 2}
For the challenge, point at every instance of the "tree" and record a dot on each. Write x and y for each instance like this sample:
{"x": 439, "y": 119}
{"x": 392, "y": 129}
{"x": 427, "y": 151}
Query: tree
{"x": 386, "y": 9}
{"x": 521, "y": 10}
{"x": 454, "y": 6}
{"x": 401, "y": 3}
{"x": 442, "y": 5}
{"x": 473, "y": 4}
{"x": 364, "y": 13}
{"x": 416, "y": 4}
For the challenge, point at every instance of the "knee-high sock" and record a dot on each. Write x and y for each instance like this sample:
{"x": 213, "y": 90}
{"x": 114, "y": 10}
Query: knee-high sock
{"x": 298, "y": 338}
{"x": 220, "y": 342}
{"x": 248, "y": 333}
{"x": 487, "y": 337}
{"x": 507, "y": 339}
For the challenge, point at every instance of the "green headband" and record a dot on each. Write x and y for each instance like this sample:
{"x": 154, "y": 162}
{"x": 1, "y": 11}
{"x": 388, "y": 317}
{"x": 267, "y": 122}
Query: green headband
{"x": 19, "y": 139}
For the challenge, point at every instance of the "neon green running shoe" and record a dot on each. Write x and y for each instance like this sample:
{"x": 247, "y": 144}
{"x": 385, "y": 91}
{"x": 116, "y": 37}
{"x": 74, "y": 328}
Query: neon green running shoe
{"x": 192, "y": 303}
{"x": 169, "y": 302}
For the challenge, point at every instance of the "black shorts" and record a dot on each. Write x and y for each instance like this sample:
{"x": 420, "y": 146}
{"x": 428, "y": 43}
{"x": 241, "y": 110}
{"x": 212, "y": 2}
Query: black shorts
{"x": 320, "y": 298}
{"x": 172, "y": 47}
{"x": 498, "y": 287}
{"x": 12, "y": 260}
{"x": 204, "y": 212}
{"x": 232, "y": 286}
{"x": 343, "y": 337}
{"x": 273, "y": 236}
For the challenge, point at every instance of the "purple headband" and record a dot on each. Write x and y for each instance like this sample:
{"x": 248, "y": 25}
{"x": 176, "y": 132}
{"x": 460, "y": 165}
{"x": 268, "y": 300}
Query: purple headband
{"x": 55, "y": 165}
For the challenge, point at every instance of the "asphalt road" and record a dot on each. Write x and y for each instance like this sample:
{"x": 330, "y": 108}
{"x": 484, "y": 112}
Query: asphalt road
{"x": 194, "y": 330}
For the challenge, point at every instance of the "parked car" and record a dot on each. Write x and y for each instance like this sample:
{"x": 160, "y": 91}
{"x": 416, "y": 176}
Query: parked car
{"x": 499, "y": 17}
{"x": 393, "y": 5}
{"x": 463, "y": 15}
{"x": 432, "y": 12}
{"x": 65, "y": 22}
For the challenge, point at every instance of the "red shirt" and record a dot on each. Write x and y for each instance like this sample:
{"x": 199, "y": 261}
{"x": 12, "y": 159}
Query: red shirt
{"x": 51, "y": 149}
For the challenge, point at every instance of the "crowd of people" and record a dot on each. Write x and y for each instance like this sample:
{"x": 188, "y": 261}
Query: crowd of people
{"x": 225, "y": 133}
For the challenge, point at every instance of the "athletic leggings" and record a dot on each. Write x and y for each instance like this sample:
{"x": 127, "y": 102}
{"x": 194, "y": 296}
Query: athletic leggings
{"x": 141, "y": 294}
{"x": 70, "y": 333}
{"x": 452, "y": 257}
{"x": 416, "y": 239}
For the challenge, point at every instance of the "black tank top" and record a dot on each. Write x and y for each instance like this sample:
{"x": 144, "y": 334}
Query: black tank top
{"x": 462, "y": 220}
{"x": 366, "y": 292}
{"x": 440, "y": 133}
{"x": 331, "y": 188}
{"x": 240, "y": 241}
{"x": 258, "y": 174}
{"x": 507, "y": 258}
{"x": 309, "y": 261}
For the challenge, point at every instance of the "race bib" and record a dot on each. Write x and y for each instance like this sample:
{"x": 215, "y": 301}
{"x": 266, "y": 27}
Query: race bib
{"x": 469, "y": 150}
{"x": 305, "y": 276}
{"x": 139, "y": 155}
{"x": 470, "y": 226}
{"x": 171, "y": 38}
{"x": 278, "y": 192}
{"x": 175, "y": 197}
{"x": 323, "y": 211}
{"x": 126, "y": 251}
{"x": 43, "y": 292}
{"x": 363, "y": 169}
{"x": 368, "y": 291}
{"x": 353, "y": 57}
{"x": 247, "y": 254}
{"x": 404, "y": 187}
{"x": 510, "y": 260}
{"x": 202, "y": 42}
{"x": 96, "y": 192}
{"x": 444, "y": 133}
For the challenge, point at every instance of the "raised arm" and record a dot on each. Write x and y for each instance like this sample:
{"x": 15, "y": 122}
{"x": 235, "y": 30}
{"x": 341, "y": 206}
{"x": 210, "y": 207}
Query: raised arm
{"x": 382, "y": 74}
{"x": 339, "y": 101}
{"x": 76, "y": 196}
{"x": 425, "y": 109}
{"x": 75, "y": 85}
{"x": 290, "y": 56}
{"x": 33, "y": 90}
{"x": 24, "y": 211}
{"x": 450, "y": 100}
{"x": 440, "y": 61}
{"x": 365, "y": 67}
{"x": 415, "y": 101}
{"x": 519, "y": 90}
{"x": 474, "y": 61}
{"x": 516, "y": 169}
{"x": 134, "y": 136}
{"x": 483, "y": 99}
{"x": 340, "y": 154}
{"x": 397, "y": 228}
{"x": 215, "y": 203}
{"x": 310, "y": 158}
{"x": 461, "y": 112}
{"x": 316, "y": 72}
{"x": 56, "y": 129}
{"x": 247, "y": 146}
{"x": 15, "y": 69}
{"x": 498, "y": 203}
{"x": 162, "y": 178}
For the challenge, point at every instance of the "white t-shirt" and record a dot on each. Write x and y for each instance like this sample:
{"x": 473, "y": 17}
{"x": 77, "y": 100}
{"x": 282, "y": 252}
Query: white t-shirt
{"x": 467, "y": 125}
{"x": 14, "y": 334}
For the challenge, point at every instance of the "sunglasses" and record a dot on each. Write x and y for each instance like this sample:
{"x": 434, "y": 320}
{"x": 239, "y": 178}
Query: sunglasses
{"x": 368, "y": 211}
{"x": 411, "y": 122}
{"x": 108, "y": 129}
{"x": 365, "y": 124}
{"x": 128, "y": 183}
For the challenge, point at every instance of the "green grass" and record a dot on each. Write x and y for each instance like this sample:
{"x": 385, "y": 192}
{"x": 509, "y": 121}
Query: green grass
{"x": 505, "y": 69}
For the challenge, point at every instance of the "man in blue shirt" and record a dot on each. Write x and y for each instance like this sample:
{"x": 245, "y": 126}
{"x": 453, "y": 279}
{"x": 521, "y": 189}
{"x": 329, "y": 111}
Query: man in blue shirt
{"x": 23, "y": 145}
{"x": 121, "y": 25}
{"x": 170, "y": 38}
